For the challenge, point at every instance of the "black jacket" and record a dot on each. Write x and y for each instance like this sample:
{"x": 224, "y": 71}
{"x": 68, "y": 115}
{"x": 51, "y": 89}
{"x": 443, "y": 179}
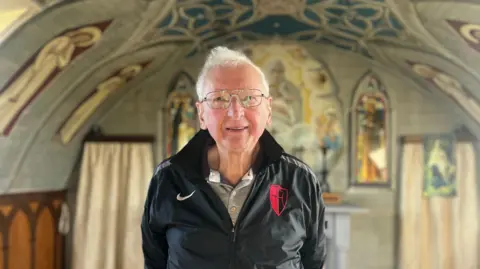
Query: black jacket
{"x": 281, "y": 224}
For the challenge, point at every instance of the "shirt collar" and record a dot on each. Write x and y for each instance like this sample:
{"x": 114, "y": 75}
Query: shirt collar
{"x": 196, "y": 149}
{"x": 215, "y": 176}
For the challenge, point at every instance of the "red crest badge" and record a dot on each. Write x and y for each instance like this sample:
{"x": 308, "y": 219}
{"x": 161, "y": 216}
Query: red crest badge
{"x": 278, "y": 198}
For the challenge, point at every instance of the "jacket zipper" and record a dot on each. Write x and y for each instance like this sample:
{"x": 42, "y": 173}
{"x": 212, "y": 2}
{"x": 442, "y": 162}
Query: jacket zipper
{"x": 233, "y": 233}
{"x": 232, "y": 255}
{"x": 241, "y": 213}
{"x": 232, "y": 236}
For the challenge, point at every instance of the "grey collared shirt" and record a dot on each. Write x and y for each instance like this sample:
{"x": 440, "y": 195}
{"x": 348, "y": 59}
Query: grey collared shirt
{"x": 233, "y": 197}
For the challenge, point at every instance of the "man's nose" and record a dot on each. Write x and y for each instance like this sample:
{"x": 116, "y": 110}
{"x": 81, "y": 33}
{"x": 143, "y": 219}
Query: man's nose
{"x": 235, "y": 110}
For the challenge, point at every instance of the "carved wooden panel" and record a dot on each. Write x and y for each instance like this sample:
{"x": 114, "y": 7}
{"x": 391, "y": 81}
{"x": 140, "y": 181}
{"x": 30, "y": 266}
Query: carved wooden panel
{"x": 29, "y": 237}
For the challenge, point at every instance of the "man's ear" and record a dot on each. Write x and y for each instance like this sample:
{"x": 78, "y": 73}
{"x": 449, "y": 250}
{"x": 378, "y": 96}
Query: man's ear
{"x": 201, "y": 113}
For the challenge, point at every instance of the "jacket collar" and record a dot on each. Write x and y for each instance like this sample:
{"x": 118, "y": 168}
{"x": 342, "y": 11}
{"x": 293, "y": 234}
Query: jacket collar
{"x": 191, "y": 157}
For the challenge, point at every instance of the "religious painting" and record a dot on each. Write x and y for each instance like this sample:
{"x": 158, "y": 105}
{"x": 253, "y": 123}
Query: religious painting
{"x": 94, "y": 99}
{"x": 38, "y": 72}
{"x": 181, "y": 114}
{"x": 470, "y": 32}
{"x": 306, "y": 112}
{"x": 370, "y": 154}
{"x": 448, "y": 85}
{"x": 439, "y": 178}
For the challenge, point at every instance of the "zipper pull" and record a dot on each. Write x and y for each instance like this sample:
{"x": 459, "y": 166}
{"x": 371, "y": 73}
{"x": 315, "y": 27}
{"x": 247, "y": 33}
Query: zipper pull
{"x": 233, "y": 234}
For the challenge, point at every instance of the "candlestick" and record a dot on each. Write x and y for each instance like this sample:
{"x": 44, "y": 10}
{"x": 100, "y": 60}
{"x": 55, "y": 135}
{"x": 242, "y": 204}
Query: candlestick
{"x": 324, "y": 171}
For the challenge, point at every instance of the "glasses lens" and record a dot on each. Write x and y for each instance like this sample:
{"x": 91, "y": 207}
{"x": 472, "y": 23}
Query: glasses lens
{"x": 218, "y": 99}
{"x": 221, "y": 99}
{"x": 250, "y": 98}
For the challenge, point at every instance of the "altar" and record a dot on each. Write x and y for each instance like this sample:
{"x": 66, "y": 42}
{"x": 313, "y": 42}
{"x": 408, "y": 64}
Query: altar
{"x": 337, "y": 223}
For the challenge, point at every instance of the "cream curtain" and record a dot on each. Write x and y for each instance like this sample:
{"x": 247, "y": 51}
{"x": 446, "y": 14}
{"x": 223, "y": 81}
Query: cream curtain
{"x": 114, "y": 178}
{"x": 439, "y": 232}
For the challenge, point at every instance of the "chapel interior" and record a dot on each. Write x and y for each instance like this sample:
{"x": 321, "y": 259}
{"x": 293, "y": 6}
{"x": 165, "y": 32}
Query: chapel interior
{"x": 381, "y": 98}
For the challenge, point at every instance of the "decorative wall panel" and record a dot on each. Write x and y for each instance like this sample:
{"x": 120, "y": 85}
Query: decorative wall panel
{"x": 28, "y": 231}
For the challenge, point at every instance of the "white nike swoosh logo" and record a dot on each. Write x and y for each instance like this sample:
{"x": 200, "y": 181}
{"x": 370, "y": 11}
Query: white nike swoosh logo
{"x": 181, "y": 198}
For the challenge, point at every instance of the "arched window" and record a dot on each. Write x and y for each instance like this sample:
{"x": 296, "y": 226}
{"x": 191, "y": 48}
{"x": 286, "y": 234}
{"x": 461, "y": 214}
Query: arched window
{"x": 370, "y": 133}
{"x": 181, "y": 116}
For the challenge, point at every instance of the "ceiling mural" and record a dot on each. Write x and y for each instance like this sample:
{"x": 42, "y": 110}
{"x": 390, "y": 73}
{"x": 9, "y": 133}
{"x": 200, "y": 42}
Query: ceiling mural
{"x": 347, "y": 24}
{"x": 470, "y": 32}
{"x": 449, "y": 85}
{"x": 97, "y": 97}
{"x": 455, "y": 29}
{"x": 48, "y": 2}
{"x": 440, "y": 78}
{"x": 35, "y": 76}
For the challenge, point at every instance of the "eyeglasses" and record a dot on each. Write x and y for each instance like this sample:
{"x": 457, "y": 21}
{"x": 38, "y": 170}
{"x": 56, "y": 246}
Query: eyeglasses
{"x": 222, "y": 99}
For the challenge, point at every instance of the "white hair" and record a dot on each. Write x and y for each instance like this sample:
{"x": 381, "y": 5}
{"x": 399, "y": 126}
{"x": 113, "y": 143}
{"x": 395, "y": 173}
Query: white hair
{"x": 223, "y": 56}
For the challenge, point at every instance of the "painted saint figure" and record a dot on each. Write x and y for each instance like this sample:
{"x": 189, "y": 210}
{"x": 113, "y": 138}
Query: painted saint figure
{"x": 440, "y": 167}
{"x": 55, "y": 56}
{"x": 102, "y": 92}
{"x": 451, "y": 86}
{"x": 283, "y": 89}
{"x": 328, "y": 130}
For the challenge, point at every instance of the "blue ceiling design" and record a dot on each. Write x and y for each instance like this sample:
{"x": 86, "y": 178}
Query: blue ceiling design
{"x": 347, "y": 24}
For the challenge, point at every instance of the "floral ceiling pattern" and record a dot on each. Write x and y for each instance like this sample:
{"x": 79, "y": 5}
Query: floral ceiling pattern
{"x": 347, "y": 24}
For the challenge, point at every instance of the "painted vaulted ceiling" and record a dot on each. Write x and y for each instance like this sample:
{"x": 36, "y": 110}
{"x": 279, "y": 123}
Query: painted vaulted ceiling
{"x": 346, "y": 24}
{"x": 55, "y": 55}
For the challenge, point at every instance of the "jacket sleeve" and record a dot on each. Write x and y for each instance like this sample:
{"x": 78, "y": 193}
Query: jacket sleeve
{"x": 154, "y": 242}
{"x": 314, "y": 251}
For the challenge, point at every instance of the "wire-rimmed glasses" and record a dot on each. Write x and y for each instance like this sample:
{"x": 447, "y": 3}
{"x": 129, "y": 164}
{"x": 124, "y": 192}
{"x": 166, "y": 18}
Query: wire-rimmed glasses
{"x": 248, "y": 98}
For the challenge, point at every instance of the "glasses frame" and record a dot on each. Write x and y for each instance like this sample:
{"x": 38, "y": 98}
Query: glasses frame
{"x": 234, "y": 93}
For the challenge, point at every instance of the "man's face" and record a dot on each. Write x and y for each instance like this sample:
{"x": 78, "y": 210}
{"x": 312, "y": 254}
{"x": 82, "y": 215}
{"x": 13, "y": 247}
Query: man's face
{"x": 235, "y": 129}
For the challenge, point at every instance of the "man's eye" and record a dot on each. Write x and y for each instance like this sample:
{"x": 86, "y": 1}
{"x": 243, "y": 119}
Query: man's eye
{"x": 220, "y": 99}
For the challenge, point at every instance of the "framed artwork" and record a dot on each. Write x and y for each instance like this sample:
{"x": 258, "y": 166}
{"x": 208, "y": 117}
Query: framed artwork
{"x": 439, "y": 170}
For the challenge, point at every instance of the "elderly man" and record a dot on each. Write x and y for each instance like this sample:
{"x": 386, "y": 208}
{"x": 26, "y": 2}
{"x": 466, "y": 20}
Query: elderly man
{"x": 232, "y": 198}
